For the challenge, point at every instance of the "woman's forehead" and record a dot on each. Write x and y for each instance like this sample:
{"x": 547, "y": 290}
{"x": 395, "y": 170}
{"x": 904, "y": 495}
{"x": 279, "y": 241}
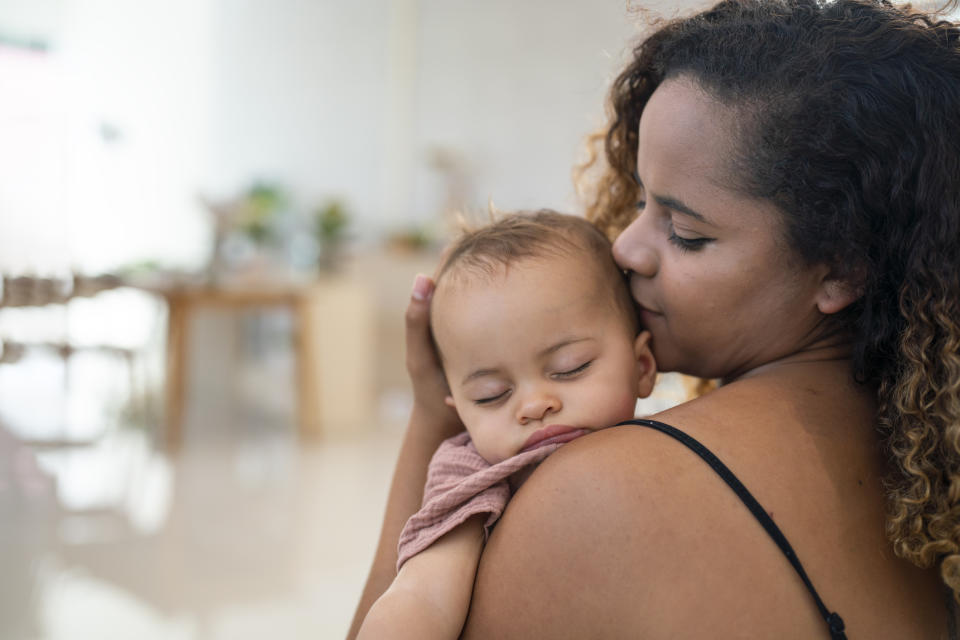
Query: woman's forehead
{"x": 682, "y": 125}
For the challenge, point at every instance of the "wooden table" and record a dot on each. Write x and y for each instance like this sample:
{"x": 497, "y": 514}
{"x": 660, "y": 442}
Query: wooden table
{"x": 301, "y": 299}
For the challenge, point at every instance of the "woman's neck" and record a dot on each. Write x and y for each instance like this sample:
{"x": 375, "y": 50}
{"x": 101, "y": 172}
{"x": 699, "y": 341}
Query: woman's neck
{"x": 826, "y": 352}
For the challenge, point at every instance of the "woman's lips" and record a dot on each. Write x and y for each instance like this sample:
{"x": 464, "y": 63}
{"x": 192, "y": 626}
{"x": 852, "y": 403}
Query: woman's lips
{"x": 644, "y": 307}
{"x": 552, "y": 434}
{"x": 647, "y": 314}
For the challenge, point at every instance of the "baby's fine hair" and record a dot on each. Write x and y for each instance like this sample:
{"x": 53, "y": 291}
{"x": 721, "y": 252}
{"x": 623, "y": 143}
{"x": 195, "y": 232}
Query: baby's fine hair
{"x": 525, "y": 235}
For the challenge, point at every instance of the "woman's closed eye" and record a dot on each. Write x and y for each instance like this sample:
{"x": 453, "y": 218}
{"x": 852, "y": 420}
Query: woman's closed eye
{"x": 688, "y": 244}
{"x": 685, "y": 243}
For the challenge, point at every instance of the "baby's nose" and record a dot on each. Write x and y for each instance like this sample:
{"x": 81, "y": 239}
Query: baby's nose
{"x": 536, "y": 405}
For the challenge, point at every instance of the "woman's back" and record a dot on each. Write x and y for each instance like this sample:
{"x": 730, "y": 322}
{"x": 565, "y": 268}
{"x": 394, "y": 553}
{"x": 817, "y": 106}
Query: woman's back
{"x": 630, "y": 534}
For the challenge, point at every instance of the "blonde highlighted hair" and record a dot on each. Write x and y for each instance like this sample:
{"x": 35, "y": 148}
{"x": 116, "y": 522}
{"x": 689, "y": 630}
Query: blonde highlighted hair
{"x": 850, "y": 127}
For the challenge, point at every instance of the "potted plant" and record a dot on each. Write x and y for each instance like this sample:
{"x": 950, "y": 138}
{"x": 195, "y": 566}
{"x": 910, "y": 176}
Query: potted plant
{"x": 329, "y": 226}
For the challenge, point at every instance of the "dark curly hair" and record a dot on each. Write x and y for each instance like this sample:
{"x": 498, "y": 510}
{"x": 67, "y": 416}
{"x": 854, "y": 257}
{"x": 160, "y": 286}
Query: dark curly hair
{"x": 849, "y": 121}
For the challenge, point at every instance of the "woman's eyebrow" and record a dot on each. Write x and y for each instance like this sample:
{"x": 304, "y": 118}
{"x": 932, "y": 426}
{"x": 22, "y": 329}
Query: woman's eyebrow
{"x": 672, "y": 203}
{"x": 676, "y": 205}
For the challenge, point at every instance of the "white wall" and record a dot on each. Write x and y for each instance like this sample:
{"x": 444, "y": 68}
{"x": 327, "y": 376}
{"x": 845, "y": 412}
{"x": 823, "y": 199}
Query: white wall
{"x": 144, "y": 68}
{"x": 128, "y": 87}
{"x": 514, "y": 87}
{"x": 328, "y": 98}
{"x": 350, "y": 98}
{"x": 297, "y": 94}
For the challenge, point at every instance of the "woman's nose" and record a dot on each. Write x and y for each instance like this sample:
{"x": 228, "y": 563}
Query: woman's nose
{"x": 537, "y": 405}
{"x": 633, "y": 251}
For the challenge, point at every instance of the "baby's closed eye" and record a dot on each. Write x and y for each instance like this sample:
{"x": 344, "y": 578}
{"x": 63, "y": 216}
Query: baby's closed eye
{"x": 574, "y": 371}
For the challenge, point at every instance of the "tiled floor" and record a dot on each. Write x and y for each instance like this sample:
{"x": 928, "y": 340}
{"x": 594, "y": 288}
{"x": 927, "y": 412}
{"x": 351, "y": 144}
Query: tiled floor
{"x": 245, "y": 534}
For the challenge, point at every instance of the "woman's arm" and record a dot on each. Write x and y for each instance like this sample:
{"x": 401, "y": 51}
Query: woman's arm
{"x": 431, "y": 422}
{"x": 430, "y": 596}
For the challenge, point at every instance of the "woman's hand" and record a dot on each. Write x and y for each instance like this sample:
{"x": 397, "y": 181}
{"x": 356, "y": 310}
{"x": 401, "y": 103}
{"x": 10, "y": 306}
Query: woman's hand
{"x": 423, "y": 364}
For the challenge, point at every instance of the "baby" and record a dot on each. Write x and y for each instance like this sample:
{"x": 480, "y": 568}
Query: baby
{"x": 540, "y": 345}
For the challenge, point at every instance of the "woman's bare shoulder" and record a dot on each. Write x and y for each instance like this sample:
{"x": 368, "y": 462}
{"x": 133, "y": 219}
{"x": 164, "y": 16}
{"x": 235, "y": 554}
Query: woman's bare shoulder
{"x": 626, "y": 532}
{"x": 603, "y": 540}
{"x": 582, "y": 517}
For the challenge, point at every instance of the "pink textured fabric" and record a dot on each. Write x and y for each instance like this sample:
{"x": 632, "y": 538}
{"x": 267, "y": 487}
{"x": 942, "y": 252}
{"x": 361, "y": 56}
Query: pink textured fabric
{"x": 461, "y": 484}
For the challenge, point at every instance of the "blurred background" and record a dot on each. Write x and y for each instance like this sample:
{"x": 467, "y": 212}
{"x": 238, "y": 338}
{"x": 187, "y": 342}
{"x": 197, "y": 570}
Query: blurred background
{"x": 211, "y": 213}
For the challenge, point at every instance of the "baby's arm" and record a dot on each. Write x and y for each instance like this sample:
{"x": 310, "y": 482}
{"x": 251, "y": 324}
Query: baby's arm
{"x": 430, "y": 596}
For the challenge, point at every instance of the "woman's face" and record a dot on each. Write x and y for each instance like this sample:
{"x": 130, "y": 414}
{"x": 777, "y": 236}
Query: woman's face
{"x": 719, "y": 288}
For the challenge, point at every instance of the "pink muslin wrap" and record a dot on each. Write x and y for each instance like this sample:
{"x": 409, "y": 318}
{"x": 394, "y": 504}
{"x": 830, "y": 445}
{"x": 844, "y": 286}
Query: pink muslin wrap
{"x": 461, "y": 484}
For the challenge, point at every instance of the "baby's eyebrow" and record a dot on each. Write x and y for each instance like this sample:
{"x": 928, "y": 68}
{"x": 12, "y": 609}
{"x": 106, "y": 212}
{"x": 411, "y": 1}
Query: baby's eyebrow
{"x": 560, "y": 345}
{"x": 479, "y": 373}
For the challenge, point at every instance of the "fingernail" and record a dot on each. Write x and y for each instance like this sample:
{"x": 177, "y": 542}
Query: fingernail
{"x": 421, "y": 288}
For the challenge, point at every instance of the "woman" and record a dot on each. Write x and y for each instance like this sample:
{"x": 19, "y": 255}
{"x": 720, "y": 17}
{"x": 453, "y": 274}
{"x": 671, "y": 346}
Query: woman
{"x": 786, "y": 176}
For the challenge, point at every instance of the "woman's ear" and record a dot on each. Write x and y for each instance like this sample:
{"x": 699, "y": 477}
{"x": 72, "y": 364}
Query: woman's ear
{"x": 646, "y": 365}
{"x": 449, "y": 402}
{"x": 836, "y": 294}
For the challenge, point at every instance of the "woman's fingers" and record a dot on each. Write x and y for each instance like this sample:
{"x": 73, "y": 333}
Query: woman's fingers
{"x": 423, "y": 362}
{"x": 421, "y": 355}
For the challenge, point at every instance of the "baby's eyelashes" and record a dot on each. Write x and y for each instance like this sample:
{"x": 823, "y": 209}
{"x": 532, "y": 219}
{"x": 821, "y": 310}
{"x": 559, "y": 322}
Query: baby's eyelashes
{"x": 492, "y": 399}
{"x": 488, "y": 393}
{"x": 570, "y": 373}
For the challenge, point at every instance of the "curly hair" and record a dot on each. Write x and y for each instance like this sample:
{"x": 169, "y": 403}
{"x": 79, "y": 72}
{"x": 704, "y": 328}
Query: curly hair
{"x": 849, "y": 121}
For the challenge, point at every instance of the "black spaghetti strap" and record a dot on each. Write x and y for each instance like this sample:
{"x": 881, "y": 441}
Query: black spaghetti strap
{"x": 833, "y": 620}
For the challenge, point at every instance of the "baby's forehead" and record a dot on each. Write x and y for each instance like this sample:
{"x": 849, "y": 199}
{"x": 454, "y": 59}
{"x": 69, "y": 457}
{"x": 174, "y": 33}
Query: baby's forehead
{"x": 481, "y": 270}
{"x": 465, "y": 286}
{"x": 462, "y": 282}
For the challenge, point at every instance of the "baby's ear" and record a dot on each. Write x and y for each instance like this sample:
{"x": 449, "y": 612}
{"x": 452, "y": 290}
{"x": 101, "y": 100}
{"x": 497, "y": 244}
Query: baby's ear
{"x": 449, "y": 402}
{"x": 646, "y": 365}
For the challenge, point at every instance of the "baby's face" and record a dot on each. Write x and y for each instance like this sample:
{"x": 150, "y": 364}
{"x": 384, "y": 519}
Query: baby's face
{"x": 537, "y": 353}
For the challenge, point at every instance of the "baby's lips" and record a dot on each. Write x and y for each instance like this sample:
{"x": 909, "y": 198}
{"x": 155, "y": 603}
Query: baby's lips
{"x": 552, "y": 434}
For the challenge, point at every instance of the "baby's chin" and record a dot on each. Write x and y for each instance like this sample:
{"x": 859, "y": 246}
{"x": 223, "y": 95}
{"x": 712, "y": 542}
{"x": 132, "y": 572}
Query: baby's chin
{"x": 520, "y": 476}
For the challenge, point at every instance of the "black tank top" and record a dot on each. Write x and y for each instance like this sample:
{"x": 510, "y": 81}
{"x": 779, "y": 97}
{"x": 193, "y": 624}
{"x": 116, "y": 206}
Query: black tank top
{"x": 833, "y": 620}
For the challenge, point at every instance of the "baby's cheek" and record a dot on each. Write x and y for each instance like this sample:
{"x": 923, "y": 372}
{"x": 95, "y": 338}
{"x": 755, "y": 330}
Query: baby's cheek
{"x": 626, "y": 406}
{"x": 625, "y": 411}
{"x": 489, "y": 441}
{"x": 611, "y": 410}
